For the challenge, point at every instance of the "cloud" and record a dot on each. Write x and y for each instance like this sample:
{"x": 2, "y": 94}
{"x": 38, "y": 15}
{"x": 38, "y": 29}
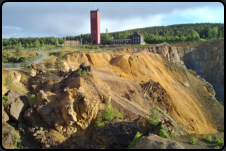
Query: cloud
{"x": 210, "y": 14}
{"x": 35, "y": 19}
{"x": 131, "y": 23}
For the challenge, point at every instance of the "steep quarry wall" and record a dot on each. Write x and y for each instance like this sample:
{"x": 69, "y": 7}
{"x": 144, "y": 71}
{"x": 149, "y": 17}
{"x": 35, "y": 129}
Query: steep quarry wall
{"x": 206, "y": 59}
{"x": 208, "y": 63}
{"x": 141, "y": 67}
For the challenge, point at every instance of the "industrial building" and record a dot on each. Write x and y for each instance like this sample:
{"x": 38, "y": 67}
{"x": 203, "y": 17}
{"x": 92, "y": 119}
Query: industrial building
{"x": 95, "y": 27}
{"x": 71, "y": 42}
{"x": 136, "y": 38}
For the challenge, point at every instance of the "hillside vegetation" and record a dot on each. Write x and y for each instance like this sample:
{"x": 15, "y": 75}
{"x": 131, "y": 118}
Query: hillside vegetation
{"x": 171, "y": 33}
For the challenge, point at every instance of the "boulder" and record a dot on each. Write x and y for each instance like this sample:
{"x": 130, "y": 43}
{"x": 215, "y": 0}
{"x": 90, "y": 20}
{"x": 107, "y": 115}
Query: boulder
{"x": 156, "y": 142}
{"x": 40, "y": 96}
{"x": 16, "y": 105}
{"x": 186, "y": 84}
{"x": 32, "y": 73}
{"x": 44, "y": 112}
{"x": 34, "y": 66}
{"x": 34, "y": 86}
{"x": 32, "y": 117}
{"x": 41, "y": 68}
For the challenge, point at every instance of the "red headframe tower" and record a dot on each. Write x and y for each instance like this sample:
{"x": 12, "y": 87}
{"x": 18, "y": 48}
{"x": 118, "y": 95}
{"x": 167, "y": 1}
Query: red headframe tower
{"x": 95, "y": 27}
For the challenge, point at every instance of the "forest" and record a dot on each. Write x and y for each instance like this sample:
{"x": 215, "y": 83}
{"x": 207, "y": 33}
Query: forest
{"x": 151, "y": 35}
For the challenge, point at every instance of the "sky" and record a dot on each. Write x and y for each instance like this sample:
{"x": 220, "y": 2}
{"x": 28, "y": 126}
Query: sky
{"x": 61, "y": 19}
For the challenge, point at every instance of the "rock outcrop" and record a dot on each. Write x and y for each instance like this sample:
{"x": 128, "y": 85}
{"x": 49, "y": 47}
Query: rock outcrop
{"x": 8, "y": 133}
{"x": 16, "y": 105}
{"x": 156, "y": 142}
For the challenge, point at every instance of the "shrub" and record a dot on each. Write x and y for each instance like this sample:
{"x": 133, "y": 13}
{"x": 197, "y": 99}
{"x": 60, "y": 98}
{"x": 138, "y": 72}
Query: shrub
{"x": 154, "y": 117}
{"x": 208, "y": 138}
{"x": 4, "y": 99}
{"x": 118, "y": 115}
{"x": 83, "y": 73}
{"x": 220, "y": 141}
{"x": 164, "y": 131}
{"x": 217, "y": 147}
{"x": 193, "y": 140}
{"x": 32, "y": 100}
{"x": 79, "y": 71}
{"x": 108, "y": 112}
{"x": 99, "y": 121}
{"x": 48, "y": 64}
{"x": 135, "y": 139}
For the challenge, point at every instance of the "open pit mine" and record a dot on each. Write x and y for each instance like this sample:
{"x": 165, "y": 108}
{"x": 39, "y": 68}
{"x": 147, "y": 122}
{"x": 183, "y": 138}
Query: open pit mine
{"x": 104, "y": 99}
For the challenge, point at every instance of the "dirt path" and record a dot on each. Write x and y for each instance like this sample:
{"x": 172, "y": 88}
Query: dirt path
{"x": 130, "y": 106}
{"x": 45, "y": 55}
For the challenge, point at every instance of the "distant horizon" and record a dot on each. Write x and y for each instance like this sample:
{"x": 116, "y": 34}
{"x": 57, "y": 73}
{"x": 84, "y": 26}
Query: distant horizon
{"x": 116, "y": 31}
{"x": 60, "y": 19}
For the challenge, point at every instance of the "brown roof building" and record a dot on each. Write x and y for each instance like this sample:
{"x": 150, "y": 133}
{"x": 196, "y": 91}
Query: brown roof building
{"x": 71, "y": 42}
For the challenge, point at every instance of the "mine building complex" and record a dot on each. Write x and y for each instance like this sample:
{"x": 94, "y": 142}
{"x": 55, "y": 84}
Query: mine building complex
{"x": 96, "y": 39}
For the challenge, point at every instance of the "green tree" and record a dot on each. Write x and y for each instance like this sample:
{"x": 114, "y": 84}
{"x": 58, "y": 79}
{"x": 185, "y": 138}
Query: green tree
{"x": 27, "y": 45}
{"x": 18, "y": 52}
{"x": 24, "y": 62}
{"x": 107, "y": 38}
{"x": 37, "y": 43}
{"x": 19, "y": 45}
{"x": 56, "y": 41}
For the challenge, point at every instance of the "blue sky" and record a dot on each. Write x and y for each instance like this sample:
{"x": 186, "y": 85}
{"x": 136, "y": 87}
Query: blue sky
{"x": 58, "y": 19}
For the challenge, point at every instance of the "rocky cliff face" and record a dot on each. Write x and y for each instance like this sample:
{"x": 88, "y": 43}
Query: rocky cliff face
{"x": 208, "y": 63}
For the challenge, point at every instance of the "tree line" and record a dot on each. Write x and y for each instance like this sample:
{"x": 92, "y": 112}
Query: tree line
{"x": 151, "y": 35}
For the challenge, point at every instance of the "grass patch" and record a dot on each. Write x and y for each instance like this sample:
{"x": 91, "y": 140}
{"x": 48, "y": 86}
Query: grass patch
{"x": 16, "y": 139}
{"x": 9, "y": 81}
{"x": 26, "y": 69}
{"x": 135, "y": 139}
